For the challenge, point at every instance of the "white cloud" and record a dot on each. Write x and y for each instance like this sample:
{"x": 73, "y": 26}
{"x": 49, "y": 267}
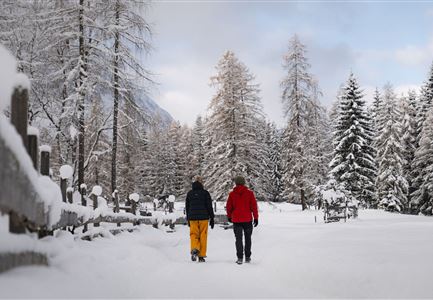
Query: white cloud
{"x": 413, "y": 55}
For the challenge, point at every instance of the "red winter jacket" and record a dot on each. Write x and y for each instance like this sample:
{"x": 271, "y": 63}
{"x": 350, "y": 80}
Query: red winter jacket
{"x": 242, "y": 205}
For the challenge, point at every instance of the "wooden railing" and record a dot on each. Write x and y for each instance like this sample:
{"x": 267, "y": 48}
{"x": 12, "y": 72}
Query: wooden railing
{"x": 22, "y": 200}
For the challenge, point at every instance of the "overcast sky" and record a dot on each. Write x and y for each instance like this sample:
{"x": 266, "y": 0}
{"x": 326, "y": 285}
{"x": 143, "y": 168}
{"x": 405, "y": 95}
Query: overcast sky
{"x": 379, "y": 42}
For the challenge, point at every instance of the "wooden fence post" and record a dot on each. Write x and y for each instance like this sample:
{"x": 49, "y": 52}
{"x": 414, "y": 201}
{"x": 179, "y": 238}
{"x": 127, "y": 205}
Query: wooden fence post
{"x": 32, "y": 145}
{"x": 19, "y": 119}
{"x": 95, "y": 206}
{"x": 63, "y": 187}
{"x": 83, "y": 192}
{"x": 19, "y": 112}
{"x": 133, "y": 207}
{"x": 45, "y": 160}
{"x": 65, "y": 173}
{"x": 96, "y": 192}
{"x": 116, "y": 208}
{"x": 70, "y": 194}
{"x": 171, "y": 200}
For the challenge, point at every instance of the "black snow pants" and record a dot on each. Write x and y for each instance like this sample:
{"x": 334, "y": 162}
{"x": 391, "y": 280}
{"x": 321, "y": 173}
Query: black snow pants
{"x": 241, "y": 229}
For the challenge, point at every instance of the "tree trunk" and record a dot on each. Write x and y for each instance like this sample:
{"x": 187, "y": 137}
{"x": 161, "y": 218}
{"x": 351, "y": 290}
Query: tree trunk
{"x": 304, "y": 205}
{"x": 81, "y": 97}
{"x": 116, "y": 101}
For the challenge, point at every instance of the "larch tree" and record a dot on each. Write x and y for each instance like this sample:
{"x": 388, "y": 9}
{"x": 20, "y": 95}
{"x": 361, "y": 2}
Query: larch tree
{"x": 301, "y": 109}
{"x": 234, "y": 112}
{"x": 126, "y": 33}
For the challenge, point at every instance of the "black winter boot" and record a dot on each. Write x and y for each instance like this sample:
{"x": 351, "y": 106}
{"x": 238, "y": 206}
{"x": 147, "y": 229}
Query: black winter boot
{"x": 201, "y": 259}
{"x": 194, "y": 253}
{"x": 239, "y": 261}
{"x": 247, "y": 260}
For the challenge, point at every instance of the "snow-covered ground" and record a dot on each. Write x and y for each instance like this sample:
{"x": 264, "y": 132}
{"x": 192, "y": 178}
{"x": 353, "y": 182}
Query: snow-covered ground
{"x": 378, "y": 255}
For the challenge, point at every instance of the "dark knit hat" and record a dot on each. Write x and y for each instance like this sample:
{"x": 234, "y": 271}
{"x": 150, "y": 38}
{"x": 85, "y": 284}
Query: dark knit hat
{"x": 239, "y": 180}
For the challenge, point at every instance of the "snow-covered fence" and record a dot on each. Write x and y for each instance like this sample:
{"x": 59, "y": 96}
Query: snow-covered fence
{"x": 32, "y": 201}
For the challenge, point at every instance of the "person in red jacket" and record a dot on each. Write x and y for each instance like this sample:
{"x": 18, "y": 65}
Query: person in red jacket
{"x": 242, "y": 211}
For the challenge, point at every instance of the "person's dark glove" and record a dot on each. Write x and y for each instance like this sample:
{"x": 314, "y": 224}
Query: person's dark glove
{"x": 188, "y": 223}
{"x": 229, "y": 219}
{"x": 256, "y": 222}
{"x": 212, "y": 223}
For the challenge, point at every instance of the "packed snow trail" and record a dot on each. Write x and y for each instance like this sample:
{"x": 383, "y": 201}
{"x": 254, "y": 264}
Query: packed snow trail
{"x": 379, "y": 255}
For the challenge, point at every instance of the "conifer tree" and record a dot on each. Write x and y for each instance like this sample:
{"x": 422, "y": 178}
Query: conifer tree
{"x": 302, "y": 111}
{"x": 424, "y": 105}
{"x": 231, "y": 142}
{"x": 353, "y": 163}
{"x": 408, "y": 140}
{"x": 422, "y": 197}
{"x": 198, "y": 139}
{"x": 391, "y": 185}
{"x": 276, "y": 186}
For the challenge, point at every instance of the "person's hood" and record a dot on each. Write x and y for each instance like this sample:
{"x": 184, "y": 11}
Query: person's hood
{"x": 197, "y": 186}
{"x": 239, "y": 189}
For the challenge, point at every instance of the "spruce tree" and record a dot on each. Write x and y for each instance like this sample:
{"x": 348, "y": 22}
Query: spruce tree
{"x": 424, "y": 105}
{"x": 408, "y": 140}
{"x": 353, "y": 163}
{"x": 391, "y": 185}
{"x": 422, "y": 197}
{"x": 198, "y": 139}
{"x": 276, "y": 186}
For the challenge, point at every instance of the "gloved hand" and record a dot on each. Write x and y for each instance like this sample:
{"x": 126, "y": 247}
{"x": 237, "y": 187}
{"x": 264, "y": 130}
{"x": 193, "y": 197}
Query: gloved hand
{"x": 229, "y": 219}
{"x": 212, "y": 223}
{"x": 256, "y": 222}
{"x": 188, "y": 223}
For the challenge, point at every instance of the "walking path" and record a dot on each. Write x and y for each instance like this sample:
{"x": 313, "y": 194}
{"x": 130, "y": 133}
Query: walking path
{"x": 378, "y": 255}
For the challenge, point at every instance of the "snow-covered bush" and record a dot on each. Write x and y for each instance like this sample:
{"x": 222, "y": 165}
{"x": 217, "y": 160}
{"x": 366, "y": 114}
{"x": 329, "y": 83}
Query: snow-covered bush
{"x": 390, "y": 203}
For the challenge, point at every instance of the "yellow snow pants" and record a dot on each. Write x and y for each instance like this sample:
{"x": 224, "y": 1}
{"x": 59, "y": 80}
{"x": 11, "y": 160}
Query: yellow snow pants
{"x": 198, "y": 235}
